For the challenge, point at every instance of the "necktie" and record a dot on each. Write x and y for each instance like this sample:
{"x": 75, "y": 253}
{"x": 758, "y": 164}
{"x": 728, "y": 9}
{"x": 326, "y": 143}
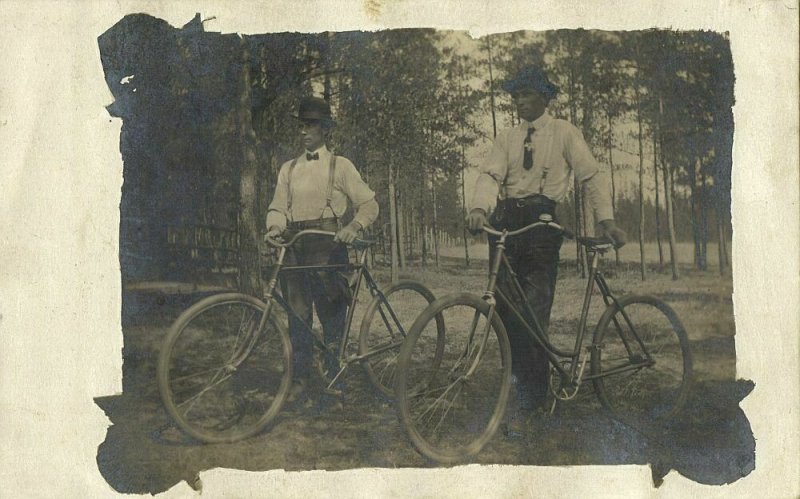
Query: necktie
{"x": 527, "y": 161}
{"x": 310, "y": 156}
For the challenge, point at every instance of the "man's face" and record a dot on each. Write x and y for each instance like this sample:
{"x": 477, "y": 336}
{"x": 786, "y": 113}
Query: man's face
{"x": 530, "y": 103}
{"x": 313, "y": 135}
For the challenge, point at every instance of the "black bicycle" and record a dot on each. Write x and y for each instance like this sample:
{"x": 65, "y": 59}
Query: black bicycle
{"x": 639, "y": 356}
{"x": 225, "y": 367}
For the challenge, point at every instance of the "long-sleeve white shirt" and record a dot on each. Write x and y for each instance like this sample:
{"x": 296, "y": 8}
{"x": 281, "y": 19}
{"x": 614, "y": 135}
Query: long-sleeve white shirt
{"x": 557, "y": 146}
{"x": 309, "y": 186}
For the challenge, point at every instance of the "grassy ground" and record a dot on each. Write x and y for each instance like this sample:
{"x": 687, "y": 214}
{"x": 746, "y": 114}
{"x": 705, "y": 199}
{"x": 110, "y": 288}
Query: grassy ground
{"x": 712, "y": 443}
{"x": 628, "y": 253}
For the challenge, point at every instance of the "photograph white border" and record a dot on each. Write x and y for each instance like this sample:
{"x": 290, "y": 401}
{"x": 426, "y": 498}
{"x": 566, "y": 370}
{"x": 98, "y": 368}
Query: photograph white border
{"x": 60, "y": 294}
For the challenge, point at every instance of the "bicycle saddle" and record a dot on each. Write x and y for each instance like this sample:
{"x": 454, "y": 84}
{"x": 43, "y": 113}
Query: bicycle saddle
{"x": 596, "y": 243}
{"x": 361, "y": 244}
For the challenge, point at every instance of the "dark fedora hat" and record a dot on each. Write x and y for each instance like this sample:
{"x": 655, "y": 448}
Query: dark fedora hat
{"x": 531, "y": 77}
{"x": 314, "y": 109}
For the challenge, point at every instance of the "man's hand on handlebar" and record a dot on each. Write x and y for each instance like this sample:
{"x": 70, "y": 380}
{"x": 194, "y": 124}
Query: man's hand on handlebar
{"x": 476, "y": 219}
{"x": 348, "y": 233}
{"x": 274, "y": 233}
{"x": 617, "y": 235}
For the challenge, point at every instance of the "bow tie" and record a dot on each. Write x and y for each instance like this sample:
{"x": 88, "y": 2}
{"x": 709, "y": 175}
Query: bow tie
{"x": 310, "y": 156}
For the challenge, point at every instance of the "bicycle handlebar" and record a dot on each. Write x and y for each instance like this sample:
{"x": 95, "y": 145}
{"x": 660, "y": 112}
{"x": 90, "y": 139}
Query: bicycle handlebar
{"x": 277, "y": 244}
{"x": 494, "y": 232}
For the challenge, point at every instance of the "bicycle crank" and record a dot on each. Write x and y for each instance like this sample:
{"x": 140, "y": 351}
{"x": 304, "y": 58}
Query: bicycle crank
{"x": 561, "y": 386}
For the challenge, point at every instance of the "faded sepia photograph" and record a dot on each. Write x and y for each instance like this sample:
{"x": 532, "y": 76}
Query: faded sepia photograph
{"x": 388, "y": 248}
{"x": 418, "y": 248}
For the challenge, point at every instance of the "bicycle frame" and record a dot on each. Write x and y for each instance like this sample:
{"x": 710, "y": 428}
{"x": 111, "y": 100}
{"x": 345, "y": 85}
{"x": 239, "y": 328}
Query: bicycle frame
{"x": 362, "y": 275}
{"x": 555, "y": 355}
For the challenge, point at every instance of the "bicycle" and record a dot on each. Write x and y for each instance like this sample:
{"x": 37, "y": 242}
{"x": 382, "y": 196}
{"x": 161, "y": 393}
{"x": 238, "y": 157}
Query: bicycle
{"x": 639, "y": 355}
{"x": 225, "y": 367}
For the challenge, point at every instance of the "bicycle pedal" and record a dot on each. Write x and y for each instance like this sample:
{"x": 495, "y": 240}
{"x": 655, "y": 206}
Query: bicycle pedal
{"x": 333, "y": 392}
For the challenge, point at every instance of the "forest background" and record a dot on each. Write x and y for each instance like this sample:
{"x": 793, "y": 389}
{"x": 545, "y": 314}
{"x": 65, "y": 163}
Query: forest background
{"x": 416, "y": 110}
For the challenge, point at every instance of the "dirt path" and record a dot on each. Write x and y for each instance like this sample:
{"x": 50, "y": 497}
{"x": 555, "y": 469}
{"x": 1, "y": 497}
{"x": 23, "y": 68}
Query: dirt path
{"x": 712, "y": 443}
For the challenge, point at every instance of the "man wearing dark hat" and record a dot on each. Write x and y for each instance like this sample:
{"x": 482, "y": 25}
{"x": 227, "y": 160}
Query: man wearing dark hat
{"x": 312, "y": 192}
{"x": 527, "y": 172}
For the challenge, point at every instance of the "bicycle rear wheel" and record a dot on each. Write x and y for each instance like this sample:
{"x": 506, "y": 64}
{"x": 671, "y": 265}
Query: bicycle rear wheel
{"x": 385, "y": 326}
{"x": 452, "y": 408}
{"x": 641, "y": 353}
{"x": 220, "y": 380}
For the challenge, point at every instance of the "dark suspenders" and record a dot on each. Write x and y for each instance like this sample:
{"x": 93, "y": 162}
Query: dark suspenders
{"x": 331, "y": 178}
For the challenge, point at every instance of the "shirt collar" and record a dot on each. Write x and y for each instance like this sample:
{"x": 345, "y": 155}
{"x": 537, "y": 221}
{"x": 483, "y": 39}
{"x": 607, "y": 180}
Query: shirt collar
{"x": 539, "y": 123}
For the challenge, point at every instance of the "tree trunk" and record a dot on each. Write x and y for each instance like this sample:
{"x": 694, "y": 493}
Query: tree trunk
{"x": 658, "y": 204}
{"x": 573, "y": 116}
{"x": 411, "y": 231}
{"x": 435, "y": 222}
{"x": 668, "y": 185}
{"x": 610, "y": 147}
{"x": 722, "y": 244}
{"x": 249, "y": 263}
{"x": 668, "y": 201}
{"x": 424, "y": 234}
{"x": 693, "y": 212}
{"x": 395, "y": 273}
{"x": 411, "y": 234}
{"x": 641, "y": 184}
{"x": 703, "y": 220}
{"x": 491, "y": 85}
{"x": 464, "y": 207}
{"x": 401, "y": 227}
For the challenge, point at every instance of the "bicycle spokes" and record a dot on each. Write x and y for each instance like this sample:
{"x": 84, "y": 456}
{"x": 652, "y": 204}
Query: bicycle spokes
{"x": 220, "y": 376}
{"x": 386, "y": 322}
{"x": 642, "y": 360}
{"x": 453, "y": 406}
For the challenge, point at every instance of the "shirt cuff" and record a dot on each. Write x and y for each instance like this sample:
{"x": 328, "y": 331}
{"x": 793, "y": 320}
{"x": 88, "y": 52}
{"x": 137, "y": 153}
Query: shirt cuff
{"x": 366, "y": 213}
{"x": 276, "y": 218}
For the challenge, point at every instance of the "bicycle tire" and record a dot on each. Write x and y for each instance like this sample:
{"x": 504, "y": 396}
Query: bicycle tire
{"x": 452, "y": 409}
{"x": 382, "y": 328}
{"x": 212, "y": 397}
{"x": 654, "y": 392}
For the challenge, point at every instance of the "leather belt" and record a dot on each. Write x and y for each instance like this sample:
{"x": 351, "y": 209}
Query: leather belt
{"x": 533, "y": 200}
{"x": 317, "y": 223}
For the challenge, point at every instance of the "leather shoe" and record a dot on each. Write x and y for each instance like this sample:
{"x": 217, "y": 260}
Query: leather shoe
{"x": 297, "y": 389}
{"x": 515, "y": 426}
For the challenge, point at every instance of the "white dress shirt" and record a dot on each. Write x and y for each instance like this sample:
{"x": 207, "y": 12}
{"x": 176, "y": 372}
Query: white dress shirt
{"x": 559, "y": 150}
{"x": 309, "y": 185}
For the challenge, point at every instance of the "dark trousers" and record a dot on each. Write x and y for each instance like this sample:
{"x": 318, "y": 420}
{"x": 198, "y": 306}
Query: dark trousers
{"x": 534, "y": 258}
{"x": 327, "y": 292}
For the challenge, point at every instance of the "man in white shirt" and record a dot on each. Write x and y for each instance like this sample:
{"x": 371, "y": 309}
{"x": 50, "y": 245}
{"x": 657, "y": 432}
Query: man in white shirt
{"x": 527, "y": 172}
{"x": 312, "y": 192}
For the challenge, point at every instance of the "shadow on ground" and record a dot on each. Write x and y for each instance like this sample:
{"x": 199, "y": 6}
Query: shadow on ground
{"x": 712, "y": 443}
{"x": 144, "y": 453}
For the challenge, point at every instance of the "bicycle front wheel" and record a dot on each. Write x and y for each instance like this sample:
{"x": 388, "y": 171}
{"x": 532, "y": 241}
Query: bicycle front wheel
{"x": 220, "y": 378}
{"x": 641, "y": 358}
{"x": 452, "y": 408}
{"x": 385, "y": 326}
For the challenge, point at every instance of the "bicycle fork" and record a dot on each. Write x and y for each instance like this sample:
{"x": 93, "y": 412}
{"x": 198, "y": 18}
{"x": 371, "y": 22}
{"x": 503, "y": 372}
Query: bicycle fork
{"x": 253, "y": 334}
{"x": 489, "y": 297}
